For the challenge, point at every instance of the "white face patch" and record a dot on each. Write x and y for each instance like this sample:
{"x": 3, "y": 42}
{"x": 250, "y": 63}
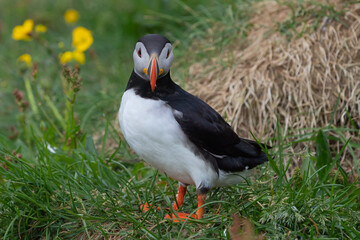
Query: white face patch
{"x": 165, "y": 59}
{"x": 141, "y": 59}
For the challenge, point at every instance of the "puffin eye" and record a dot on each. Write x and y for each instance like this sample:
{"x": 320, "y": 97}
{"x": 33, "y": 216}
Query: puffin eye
{"x": 168, "y": 53}
{"x": 139, "y": 52}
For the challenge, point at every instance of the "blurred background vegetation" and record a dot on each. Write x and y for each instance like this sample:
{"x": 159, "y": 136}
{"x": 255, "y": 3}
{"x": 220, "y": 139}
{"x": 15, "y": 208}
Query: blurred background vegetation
{"x": 115, "y": 25}
{"x": 64, "y": 169}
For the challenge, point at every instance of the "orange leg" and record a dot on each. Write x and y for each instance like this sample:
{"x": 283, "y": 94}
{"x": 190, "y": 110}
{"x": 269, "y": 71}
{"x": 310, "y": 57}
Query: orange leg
{"x": 179, "y": 200}
{"x": 180, "y": 197}
{"x": 200, "y": 211}
{"x": 183, "y": 216}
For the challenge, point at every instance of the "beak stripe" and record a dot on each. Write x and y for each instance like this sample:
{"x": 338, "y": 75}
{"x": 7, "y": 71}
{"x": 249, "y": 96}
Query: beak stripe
{"x": 153, "y": 74}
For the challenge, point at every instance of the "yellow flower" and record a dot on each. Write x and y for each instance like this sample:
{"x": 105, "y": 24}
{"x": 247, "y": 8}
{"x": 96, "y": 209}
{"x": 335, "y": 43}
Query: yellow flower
{"x": 23, "y": 32}
{"x": 26, "y": 58}
{"x": 75, "y": 55}
{"x": 79, "y": 57}
{"x": 71, "y": 16}
{"x": 82, "y": 39}
{"x": 66, "y": 57}
{"x": 40, "y": 28}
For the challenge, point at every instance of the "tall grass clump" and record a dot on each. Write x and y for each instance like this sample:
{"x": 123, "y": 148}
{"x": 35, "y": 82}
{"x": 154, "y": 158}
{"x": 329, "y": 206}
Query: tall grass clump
{"x": 60, "y": 179}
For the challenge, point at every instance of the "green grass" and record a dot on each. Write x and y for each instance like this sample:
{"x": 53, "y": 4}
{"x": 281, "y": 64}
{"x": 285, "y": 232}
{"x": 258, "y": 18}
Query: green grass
{"x": 84, "y": 194}
{"x": 310, "y": 15}
{"x": 86, "y": 190}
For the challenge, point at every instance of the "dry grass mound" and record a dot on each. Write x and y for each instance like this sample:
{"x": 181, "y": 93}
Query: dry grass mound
{"x": 297, "y": 81}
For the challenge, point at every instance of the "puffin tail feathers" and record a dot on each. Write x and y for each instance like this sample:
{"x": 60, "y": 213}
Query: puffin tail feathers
{"x": 249, "y": 155}
{"x": 238, "y": 164}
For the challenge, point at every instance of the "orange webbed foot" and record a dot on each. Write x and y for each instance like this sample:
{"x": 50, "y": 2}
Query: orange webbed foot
{"x": 180, "y": 217}
{"x": 146, "y": 207}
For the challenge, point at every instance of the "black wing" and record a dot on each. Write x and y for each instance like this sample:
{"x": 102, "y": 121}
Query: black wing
{"x": 208, "y": 131}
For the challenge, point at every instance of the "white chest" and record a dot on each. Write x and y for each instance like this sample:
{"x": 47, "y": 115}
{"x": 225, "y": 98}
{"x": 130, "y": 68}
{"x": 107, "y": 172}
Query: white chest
{"x": 151, "y": 130}
{"x": 148, "y": 124}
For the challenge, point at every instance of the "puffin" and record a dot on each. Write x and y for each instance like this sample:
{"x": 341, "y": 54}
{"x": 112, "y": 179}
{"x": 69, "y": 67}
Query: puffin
{"x": 178, "y": 133}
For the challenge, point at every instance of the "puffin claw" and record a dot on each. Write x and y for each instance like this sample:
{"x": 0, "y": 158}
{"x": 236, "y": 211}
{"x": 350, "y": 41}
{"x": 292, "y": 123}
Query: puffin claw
{"x": 146, "y": 207}
{"x": 180, "y": 216}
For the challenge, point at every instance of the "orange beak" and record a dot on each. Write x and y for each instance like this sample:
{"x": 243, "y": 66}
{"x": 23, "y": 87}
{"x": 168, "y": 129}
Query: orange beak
{"x": 154, "y": 72}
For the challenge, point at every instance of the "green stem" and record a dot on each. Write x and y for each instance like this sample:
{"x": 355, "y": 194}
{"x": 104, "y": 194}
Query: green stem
{"x": 35, "y": 107}
{"x": 30, "y": 95}
{"x": 55, "y": 111}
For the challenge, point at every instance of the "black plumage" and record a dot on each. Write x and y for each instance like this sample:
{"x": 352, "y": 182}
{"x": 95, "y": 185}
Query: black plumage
{"x": 178, "y": 133}
{"x": 154, "y": 43}
{"x": 203, "y": 126}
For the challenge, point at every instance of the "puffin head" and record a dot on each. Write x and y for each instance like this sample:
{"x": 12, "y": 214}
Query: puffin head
{"x": 153, "y": 57}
